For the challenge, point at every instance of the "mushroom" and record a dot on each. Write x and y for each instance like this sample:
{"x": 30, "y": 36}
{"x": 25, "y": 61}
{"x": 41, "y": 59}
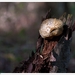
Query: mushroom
{"x": 51, "y": 27}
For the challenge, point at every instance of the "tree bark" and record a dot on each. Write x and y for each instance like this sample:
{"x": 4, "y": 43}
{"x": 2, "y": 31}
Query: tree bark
{"x": 52, "y": 55}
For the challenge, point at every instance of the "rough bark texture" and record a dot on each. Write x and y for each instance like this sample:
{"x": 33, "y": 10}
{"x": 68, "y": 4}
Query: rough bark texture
{"x": 52, "y": 55}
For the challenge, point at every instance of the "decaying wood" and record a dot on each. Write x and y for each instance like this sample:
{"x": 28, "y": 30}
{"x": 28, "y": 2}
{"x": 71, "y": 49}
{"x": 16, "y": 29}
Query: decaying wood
{"x": 52, "y": 55}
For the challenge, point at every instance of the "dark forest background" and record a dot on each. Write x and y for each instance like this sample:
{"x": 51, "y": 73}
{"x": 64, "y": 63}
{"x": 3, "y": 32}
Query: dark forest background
{"x": 19, "y": 25}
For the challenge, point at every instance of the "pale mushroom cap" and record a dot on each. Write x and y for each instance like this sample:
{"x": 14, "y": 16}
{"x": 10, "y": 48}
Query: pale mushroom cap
{"x": 51, "y": 27}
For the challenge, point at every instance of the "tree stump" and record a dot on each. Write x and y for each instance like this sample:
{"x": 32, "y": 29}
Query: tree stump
{"x": 52, "y": 55}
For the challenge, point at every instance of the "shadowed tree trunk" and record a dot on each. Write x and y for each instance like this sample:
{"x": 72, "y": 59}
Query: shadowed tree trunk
{"x": 52, "y": 55}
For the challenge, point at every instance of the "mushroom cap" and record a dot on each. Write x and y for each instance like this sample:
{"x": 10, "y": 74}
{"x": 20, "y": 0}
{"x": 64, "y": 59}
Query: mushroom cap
{"x": 51, "y": 27}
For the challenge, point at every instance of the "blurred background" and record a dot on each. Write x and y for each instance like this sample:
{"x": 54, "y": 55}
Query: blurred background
{"x": 19, "y": 25}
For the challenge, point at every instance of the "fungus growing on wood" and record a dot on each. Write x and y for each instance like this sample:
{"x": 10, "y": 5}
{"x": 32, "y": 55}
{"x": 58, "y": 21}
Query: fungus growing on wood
{"x": 51, "y": 27}
{"x": 53, "y": 47}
